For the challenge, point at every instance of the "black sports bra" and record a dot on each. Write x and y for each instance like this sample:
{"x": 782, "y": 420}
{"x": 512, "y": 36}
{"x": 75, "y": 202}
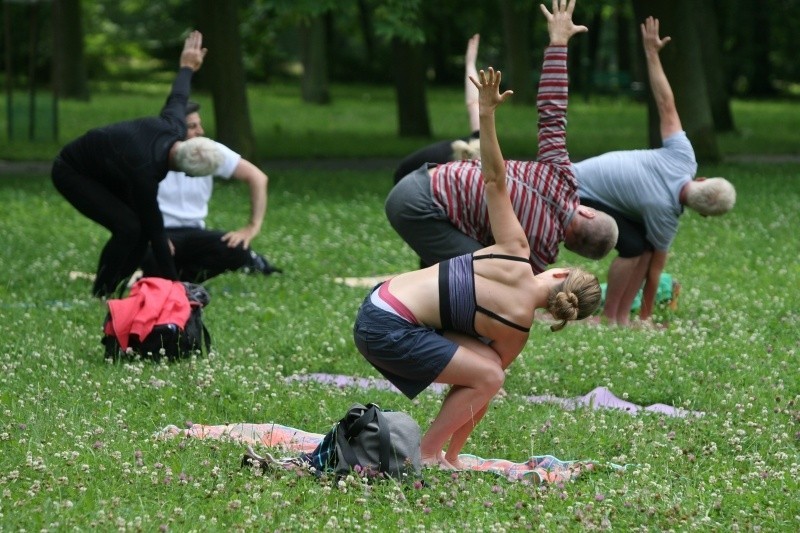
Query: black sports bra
{"x": 457, "y": 302}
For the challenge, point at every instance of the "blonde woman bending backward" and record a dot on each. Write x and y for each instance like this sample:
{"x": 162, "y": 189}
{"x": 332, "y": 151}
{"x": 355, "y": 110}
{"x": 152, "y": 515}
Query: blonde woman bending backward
{"x": 463, "y": 321}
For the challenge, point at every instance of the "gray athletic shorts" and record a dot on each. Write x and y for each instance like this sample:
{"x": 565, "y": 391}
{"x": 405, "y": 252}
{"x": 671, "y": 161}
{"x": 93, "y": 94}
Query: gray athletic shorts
{"x": 415, "y": 216}
{"x": 410, "y": 356}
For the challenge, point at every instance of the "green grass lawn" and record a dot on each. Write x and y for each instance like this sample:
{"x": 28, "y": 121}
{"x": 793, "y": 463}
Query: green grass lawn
{"x": 76, "y": 446}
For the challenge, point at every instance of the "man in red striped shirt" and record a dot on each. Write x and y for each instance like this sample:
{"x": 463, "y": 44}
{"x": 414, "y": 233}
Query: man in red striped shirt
{"x": 441, "y": 211}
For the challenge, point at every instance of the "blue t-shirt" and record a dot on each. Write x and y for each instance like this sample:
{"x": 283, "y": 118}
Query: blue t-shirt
{"x": 642, "y": 184}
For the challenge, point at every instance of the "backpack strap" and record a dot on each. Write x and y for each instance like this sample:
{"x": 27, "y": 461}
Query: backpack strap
{"x": 206, "y": 339}
{"x": 343, "y": 436}
{"x": 344, "y": 447}
{"x": 385, "y": 440}
{"x": 361, "y": 422}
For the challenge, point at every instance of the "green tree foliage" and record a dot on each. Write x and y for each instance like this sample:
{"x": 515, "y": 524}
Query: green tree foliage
{"x": 125, "y": 37}
{"x": 398, "y": 19}
{"x": 759, "y": 40}
{"x": 69, "y": 70}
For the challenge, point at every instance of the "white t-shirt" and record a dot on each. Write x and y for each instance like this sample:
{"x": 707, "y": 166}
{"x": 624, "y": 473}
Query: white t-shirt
{"x": 644, "y": 185}
{"x": 183, "y": 200}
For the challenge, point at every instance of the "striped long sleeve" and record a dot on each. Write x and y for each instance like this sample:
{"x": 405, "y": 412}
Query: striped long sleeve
{"x": 543, "y": 192}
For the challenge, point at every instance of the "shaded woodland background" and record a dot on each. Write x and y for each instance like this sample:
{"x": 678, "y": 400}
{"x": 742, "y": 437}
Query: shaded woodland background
{"x": 721, "y": 49}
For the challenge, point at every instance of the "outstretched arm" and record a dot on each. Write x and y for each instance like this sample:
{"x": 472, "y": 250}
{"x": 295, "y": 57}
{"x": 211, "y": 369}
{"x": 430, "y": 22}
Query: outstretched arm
{"x": 553, "y": 84}
{"x": 506, "y": 228}
{"x": 257, "y": 182}
{"x": 190, "y": 61}
{"x": 470, "y": 92}
{"x": 670, "y": 122}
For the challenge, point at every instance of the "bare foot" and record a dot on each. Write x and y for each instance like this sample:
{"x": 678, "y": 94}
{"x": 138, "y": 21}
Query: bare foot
{"x": 453, "y": 464}
{"x": 437, "y": 460}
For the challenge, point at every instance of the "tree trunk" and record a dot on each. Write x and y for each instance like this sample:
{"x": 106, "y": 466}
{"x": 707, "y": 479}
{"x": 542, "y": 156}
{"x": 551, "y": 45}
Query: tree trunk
{"x": 517, "y": 26}
{"x": 625, "y": 48}
{"x": 713, "y": 66}
{"x": 412, "y": 105}
{"x": 224, "y": 70}
{"x": 365, "y": 23}
{"x": 313, "y": 37}
{"x": 684, "y": 69}
{"x": 761, "y": 73}
{"x": 69, "y": 65}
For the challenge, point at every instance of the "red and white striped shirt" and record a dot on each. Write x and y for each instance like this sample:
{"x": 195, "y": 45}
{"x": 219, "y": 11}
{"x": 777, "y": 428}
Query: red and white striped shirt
{"x": 544, "y": 192}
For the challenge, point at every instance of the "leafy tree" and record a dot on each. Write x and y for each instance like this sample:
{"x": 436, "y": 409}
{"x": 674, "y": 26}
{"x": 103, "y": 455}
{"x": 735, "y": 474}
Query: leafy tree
{"x": 266, "y": 41}
{"x": 224, "y": 70}
{"x": 397, "y": 21}
{"x": 69, "y": 65}
{"x": 711, "y": 56}
{"x": 684, "y": 68}
{"x": 311, "y": 19}
{"x": 124, "y": 39}
{"x": 313, "y": 40}
{"x": 518, "y": 25}
{"x": 784, "y": 19}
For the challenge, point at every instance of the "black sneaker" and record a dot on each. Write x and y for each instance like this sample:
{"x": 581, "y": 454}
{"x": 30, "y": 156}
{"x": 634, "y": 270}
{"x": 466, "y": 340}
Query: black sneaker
{"x": 259, "y": 264}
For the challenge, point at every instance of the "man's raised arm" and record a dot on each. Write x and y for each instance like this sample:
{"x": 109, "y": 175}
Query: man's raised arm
{"x": 669, "y": 120}
{"x": 553, "y": 84}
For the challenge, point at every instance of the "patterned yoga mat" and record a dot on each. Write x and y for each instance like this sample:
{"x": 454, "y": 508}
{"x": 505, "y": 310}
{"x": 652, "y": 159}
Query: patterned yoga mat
{"x": 537, "y": 469}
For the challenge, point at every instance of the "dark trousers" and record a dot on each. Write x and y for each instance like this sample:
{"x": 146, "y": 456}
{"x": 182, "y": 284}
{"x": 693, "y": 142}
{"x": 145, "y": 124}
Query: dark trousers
{"x": 110, "y": 208}
{"x": 200, "y": 254}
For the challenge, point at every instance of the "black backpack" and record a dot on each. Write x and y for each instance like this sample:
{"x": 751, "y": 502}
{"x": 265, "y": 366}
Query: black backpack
{"x": 172, "y": 341}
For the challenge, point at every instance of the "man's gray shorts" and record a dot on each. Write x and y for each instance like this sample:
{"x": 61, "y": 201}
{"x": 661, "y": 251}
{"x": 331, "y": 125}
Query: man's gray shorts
{"x": 424, "y": 225}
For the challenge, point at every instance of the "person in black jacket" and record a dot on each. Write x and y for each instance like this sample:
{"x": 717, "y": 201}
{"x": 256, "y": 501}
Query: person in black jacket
{"x": 111, "y": 175}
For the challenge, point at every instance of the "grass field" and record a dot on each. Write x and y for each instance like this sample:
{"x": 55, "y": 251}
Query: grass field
{"x": 76, "y": 433}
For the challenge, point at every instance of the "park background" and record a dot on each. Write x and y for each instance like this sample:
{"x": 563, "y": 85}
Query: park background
{"x": 76, "y": 432}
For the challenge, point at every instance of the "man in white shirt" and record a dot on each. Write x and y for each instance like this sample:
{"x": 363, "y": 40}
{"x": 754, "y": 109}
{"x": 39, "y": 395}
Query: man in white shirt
{"x": 200, "y": 253}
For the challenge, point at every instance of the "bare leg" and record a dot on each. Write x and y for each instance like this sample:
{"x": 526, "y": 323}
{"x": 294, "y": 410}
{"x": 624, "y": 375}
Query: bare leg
{"x": 460, "y": 437}
{"x": 618, "y": 275}
{"x": 622, "y": 277}
{"x": 477, "y": 379}
{"x": 632, "y": 289}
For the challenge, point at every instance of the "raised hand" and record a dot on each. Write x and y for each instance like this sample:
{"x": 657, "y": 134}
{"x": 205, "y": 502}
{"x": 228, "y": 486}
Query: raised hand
{"x": 488, "y": 84}
{"x": 650, "y": 39}
{"x": 559, "y": 22}
{"x": 193, "y": 52}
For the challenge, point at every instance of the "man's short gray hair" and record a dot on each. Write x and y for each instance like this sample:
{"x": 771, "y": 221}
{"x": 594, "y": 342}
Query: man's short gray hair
{"x": 711, "y": 197}
{"x": 595, "y": 237}
{"x": 199, "y": 156}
